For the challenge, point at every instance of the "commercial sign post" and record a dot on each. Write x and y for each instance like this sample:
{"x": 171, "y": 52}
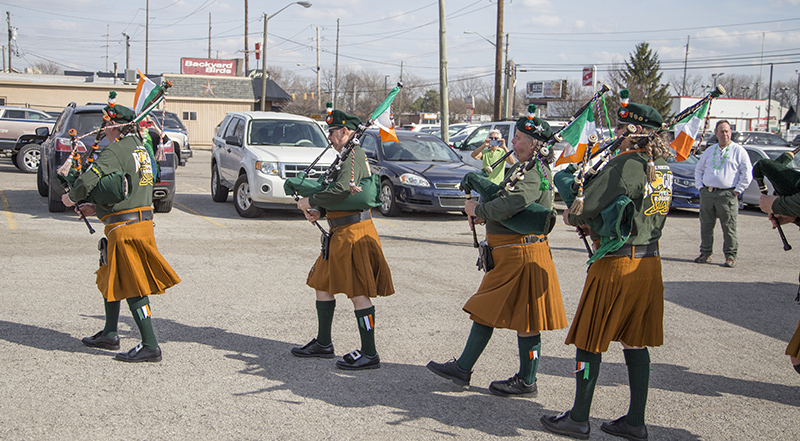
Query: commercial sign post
{"x": 588, "y": 76}
{"x": 206, "y": 66}
{"x": 556, "y": 89}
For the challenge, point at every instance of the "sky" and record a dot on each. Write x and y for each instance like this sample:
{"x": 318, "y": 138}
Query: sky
{"x": 547, "y": 39}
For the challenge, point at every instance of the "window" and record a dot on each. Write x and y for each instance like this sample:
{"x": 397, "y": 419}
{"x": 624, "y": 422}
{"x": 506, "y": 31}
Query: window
{"x": 370, "y": 146}
{"x": 190, "y": 116}
{"x": 37, "y": 115}
{"x": 15, "y": 114}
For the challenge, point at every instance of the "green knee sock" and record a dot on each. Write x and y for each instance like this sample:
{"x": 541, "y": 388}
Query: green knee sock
{"x": 325, "y": 321}
{"x": 586, "y": 372}
{"x": 529, "y": 351}
{"x": 478, "y": 338}
{"x": 112, "y": 318}
{"x": 140, "y": 308}
{"x": 638, "y": 362}
{"x": 366, "y": 328}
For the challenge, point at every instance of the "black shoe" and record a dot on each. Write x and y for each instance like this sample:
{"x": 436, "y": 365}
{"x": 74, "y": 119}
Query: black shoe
{"x": 140, "y": 354}
{"x": 451, "y": 371}
{"x": 357, "y": 360}
{"x": 564, "y": 425}
{"x": 513, "y": 387}
{"x": 621, "y": 428}
{"x": 101, "y": 341}
{"x": 314, "y": 349}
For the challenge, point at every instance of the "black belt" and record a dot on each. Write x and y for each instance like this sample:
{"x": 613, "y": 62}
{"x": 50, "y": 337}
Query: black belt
{"x": 719, "y": 189}
{"x": 527, "y": 240}
{"x": 636, "y": 251}
{"x": 129, "y": 218}
{"x": 349, "y": 219}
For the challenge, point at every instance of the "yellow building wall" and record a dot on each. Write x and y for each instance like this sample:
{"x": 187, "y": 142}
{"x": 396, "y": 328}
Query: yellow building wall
{"x": 54, "y": 97}
{"x": 208, "y": 114}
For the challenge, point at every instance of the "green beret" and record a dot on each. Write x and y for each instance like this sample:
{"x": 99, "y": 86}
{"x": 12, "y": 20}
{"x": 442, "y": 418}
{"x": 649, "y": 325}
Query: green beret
{"x": 637, "y": 114}
{"x": 337, "y": 118}
{"x": 534, "y": 126}
{"x": 120, "y": 114}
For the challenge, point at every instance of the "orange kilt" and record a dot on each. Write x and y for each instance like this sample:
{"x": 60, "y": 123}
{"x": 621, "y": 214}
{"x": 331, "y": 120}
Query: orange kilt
{"x": 794, "y": 344}
{"x": 522, "y": 291}
{"x": 135, "y": 267}
{"x": 355, "y": 265}
{"x": 622, "y": 300}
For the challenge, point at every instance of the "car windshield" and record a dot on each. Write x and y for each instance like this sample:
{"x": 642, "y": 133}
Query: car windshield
{"x": 170, "y": 121}
{"x": 286, "y": 133}
{"x": 85, "y": 122}
{"x": 774, "y": 153}
{"x": 419, "y": 149}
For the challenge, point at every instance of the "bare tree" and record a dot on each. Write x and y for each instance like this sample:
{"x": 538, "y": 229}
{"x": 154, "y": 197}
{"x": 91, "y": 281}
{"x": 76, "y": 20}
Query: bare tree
{"x": 47, "y": 68}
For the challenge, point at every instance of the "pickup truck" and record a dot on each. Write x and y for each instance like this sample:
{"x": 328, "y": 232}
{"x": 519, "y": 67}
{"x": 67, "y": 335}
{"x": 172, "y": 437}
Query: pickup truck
{"x": 17, "y": 128}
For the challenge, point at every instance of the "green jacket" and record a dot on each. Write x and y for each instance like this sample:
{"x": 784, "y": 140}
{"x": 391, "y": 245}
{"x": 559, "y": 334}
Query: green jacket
{"x": 625, "y": 175}
{"x": 129, "y": 157}
{"x": 339, "y": 188}
{"x": 526, "y": 192}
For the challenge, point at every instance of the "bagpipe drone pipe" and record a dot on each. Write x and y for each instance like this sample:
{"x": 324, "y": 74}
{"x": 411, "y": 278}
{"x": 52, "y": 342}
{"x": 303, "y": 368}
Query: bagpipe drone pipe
{"x": 785, "y": 180}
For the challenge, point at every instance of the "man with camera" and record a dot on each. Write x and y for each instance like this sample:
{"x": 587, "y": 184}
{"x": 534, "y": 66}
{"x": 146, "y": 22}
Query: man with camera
{"x": 492, "y": 149}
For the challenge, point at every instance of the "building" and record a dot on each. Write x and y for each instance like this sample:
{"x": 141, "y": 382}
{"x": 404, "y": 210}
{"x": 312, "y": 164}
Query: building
{"x": 743, "y": 114}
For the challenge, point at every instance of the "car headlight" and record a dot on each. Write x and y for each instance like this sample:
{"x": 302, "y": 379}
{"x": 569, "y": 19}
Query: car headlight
{"x": 684, "y": 182}
{"x": 268, "y": 168}
{"x": 414, "y": 179}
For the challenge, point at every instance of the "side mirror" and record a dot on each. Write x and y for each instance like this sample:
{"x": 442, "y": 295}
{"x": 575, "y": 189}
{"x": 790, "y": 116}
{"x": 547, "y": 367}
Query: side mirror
{"x": 233, "y": 140}
{"x": 43, "y": 132}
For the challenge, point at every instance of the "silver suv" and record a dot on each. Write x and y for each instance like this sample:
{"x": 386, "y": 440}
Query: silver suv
{"x": 254, "y": 152}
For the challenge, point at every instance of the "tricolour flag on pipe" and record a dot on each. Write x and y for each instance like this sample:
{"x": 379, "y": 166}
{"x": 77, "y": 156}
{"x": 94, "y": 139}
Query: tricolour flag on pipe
{"x": 577, "y": 136}
{"x": 148, "y": 96}
{"x": 382, "y": 117}
{"x": 686, "y": 131}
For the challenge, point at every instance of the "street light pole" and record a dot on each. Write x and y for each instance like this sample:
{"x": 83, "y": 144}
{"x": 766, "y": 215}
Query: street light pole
{"x": 264, "y": 52}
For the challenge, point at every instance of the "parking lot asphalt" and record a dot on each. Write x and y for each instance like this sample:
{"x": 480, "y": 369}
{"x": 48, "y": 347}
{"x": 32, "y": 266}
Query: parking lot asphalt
{"x": 227, "y": 328}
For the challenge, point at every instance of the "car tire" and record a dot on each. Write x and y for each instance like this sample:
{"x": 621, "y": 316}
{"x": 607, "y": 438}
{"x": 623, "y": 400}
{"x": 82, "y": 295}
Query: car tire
{"x": 41, "y": 184}
{"x": 389, "y": 206}
{"x": 54, "y": 204}
{"x": 219, "y": 192}
{"x": 28, "y": 158}
{"x": 162, "y": 205}
{"x": 242, "y": 199}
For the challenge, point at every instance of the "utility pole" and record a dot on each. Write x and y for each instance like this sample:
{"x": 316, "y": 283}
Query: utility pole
{"x": 769, "y": 95}
{"x": 108, "y": 28}
{"x": 209, "y": 36}
{"x": 443, "y": 99}
{"x": 797, "y": 107}
{"x": 506, "y": 75}
{"x": 10, "y": 33}
{"x": 498, "y": 60}
{"x": 147, "y": 40}
{"x": 319, "y": 87}
{"x": 336, "y": 67}
{"x": 685, "y": 61}
{"x": 127, "y": 51}
{"x": 246, "y": 53}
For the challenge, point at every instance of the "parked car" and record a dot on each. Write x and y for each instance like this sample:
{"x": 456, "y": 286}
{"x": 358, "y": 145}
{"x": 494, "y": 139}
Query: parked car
{"x": 56, "y": 149}
{"x": 684, "y": 192}
{"x": 419, "y": 173}
{"x": 751, "y": 193}
{"x": 169, "y": 123}
{"x": 254, "y": 152}
{"x": 753, "y": 138}
{"x": 15, "y": 124}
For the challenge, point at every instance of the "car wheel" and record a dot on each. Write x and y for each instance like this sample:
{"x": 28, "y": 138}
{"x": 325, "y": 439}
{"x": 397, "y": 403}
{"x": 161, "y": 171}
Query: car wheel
{"x": 389, "y": 206}
{"x": 242, "y": 200}
{"x": 28, "y": 158}
{"x": 162, "y": 205}
{"x": 41, "y": 184}
{"x": 54, "y": 204}
{"x": 219, "y": 192}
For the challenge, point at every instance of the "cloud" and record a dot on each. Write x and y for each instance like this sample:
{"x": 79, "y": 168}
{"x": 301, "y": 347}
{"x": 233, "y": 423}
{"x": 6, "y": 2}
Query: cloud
{"x": 547, "y": 21}
{"x": 63, "y": 25}
{"x": 581, "y": 24}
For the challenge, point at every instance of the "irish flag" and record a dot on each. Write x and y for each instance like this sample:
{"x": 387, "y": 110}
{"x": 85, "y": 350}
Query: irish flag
{"x": 686, "y": 131}
{"x": 148, "y": 96}
{"x": 577, "y": 135}
{"x": 382, "y": 117}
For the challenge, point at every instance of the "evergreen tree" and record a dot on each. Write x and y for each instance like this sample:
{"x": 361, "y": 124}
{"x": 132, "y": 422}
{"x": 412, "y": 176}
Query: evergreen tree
{"x": 429, "y": 102}
{"x": 642, "y": 77}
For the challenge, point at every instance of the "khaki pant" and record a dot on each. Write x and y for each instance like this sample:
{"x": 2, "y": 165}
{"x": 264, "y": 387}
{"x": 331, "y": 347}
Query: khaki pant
{"x": 722, "y": 205}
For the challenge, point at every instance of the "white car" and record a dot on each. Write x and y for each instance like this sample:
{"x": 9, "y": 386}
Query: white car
{"x": 254, "y": 152}
{"x": 751, "y": 194}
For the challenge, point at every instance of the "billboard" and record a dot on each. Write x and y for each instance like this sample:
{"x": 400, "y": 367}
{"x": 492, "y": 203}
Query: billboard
{"x": 208, "y": 66}
{"x": 588, "y": 76}
{"x": 556, "y": 89}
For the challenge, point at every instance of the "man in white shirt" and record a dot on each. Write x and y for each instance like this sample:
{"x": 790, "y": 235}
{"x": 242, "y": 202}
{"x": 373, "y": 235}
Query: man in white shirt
{"x": 722, "y": 174}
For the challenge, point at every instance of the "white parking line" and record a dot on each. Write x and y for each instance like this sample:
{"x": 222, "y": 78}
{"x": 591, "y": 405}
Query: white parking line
{"x": 12, "y": 223}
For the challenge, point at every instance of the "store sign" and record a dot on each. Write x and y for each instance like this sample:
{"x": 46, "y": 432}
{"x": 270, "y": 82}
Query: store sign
{"x": 207, "y": 66}
{"x": 546, "y": 89}
{"x": 588, "y": 76}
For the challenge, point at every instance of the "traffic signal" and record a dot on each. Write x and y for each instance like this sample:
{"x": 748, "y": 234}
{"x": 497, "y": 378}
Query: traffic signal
{"x": 258, "y": 51}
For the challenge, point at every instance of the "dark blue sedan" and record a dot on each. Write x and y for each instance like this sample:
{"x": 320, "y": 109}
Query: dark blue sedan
{"x": 684, "y": 193}
{"x": 419, "y": 173}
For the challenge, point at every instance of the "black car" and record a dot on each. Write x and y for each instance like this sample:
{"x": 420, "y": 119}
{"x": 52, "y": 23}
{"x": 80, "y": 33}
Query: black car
{"x": 419, "y": 173}
{"x": 56, "y": 149}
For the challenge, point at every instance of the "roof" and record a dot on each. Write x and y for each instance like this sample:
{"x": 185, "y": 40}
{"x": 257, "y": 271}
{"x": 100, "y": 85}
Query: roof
{"x": 272, "y": 115}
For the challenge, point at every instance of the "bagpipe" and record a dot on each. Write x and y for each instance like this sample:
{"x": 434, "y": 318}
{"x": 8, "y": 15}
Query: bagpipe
{"x": 366, "y": 193}
{"x": 785, "y": 180}
{"x": 535, "y": 218}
